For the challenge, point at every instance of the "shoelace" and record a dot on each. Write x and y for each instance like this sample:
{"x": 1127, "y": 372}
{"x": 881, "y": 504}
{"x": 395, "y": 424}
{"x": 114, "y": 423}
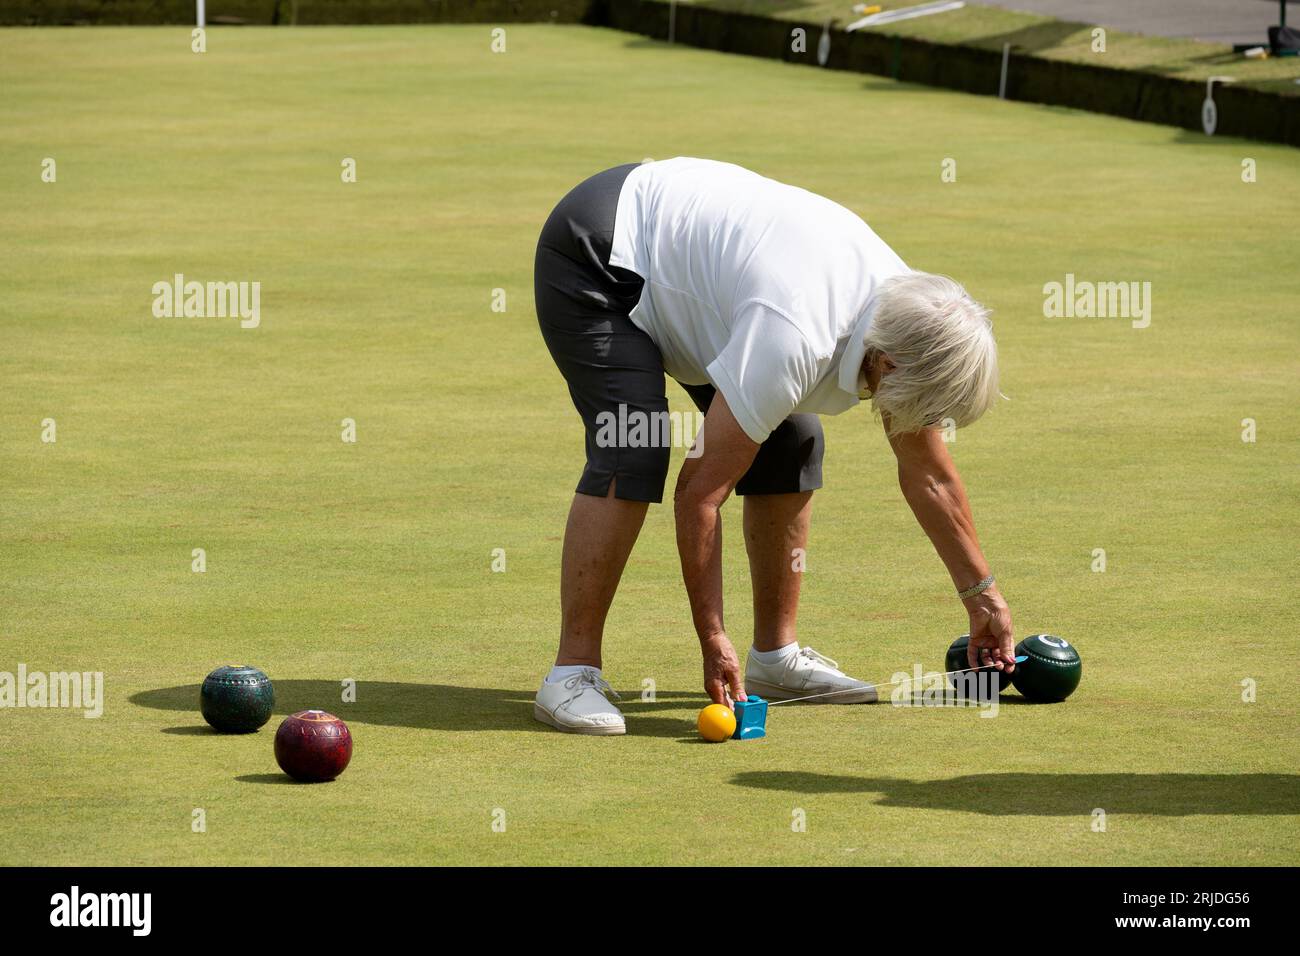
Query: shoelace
{"x": 589, "y": 678}
{"x": 810, "y": 654}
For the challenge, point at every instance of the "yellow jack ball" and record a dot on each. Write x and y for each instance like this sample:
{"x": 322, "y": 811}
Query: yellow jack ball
{"x": 716, "y": 723}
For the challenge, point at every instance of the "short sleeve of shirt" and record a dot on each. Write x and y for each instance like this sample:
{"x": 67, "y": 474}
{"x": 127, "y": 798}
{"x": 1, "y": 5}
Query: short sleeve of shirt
{"x": 766, "y": 369}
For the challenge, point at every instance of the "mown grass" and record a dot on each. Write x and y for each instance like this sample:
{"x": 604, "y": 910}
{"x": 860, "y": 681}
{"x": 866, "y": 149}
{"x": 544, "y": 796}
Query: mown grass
{"x": 371, "y": 561}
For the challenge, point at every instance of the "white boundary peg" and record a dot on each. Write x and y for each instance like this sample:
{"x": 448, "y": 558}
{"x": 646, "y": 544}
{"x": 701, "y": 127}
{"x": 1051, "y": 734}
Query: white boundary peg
{"x": 1209, "y": 109}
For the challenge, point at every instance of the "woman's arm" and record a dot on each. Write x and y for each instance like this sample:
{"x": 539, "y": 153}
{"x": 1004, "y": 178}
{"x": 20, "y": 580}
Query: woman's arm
{"x": 934, "y": 491}
{"x": 704, "y": 484}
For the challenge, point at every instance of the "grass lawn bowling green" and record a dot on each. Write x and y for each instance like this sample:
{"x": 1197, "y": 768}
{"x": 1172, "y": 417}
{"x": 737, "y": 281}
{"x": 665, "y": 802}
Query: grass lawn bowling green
{"x": 372, "y": 561}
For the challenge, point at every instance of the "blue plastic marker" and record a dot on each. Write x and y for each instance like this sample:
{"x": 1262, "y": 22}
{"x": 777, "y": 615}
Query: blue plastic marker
{"x": 751, "y": 719}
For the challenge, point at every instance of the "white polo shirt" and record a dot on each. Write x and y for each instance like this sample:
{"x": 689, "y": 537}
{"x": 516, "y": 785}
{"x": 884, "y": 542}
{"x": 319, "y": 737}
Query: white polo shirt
{"x": 763, "y": 289}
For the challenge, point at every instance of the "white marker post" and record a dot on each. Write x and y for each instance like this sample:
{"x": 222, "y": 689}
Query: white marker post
{"x": 199, "y": 12}
{"x": 1210, "y": 109}
{"x": 1002, "y": 82}
{"x": 672, "y": 21}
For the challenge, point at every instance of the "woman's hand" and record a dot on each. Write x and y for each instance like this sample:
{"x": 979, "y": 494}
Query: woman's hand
{"x": 721, "y": 670}
{"x": 992, "y": 640}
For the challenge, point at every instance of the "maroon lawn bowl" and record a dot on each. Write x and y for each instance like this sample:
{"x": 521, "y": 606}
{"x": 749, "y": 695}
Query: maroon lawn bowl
{"x": 313, "y": 746}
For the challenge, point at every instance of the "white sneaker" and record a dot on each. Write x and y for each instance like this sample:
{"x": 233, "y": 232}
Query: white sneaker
{"x": 804, "y": 674}
{"x": 577, "y": 705}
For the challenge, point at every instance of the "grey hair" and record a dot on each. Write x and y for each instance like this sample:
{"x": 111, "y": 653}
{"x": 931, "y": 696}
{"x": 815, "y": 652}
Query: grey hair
{"x": 941, "y": 342}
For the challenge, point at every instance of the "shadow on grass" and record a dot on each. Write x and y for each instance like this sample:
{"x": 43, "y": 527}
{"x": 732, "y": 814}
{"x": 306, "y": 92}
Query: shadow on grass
{"x": 277, "y": 779}
{"x": 1232, "y": 145}
{"x": 192, "y": 730}
{"x": 429, "y": 707}
{"x": 642, "y": 42}
{"x": 1059, "y": 794}
{"x": 884, "y": 84}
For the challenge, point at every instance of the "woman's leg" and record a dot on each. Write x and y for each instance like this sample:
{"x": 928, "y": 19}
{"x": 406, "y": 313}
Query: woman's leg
{"x": 615, "y": 374}
{"x": 776, "y": 539}
{"x": 597, "y": 541}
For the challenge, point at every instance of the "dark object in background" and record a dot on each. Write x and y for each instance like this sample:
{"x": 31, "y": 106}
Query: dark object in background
{"x": 1283, "y": 40}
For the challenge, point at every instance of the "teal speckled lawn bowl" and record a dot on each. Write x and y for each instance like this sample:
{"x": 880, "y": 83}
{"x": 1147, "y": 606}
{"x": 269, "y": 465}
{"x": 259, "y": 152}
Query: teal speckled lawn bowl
{"x": 236, "y": 699}
{"x": 1052, "y": 669}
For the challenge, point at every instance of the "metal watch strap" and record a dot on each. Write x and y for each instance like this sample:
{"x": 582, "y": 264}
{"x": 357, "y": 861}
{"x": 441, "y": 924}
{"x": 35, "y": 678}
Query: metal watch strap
{"x": 980, "y": 588}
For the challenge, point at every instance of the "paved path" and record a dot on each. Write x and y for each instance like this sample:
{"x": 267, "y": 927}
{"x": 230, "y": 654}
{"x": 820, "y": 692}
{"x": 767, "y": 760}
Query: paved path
{"x": 1220, "y": 21}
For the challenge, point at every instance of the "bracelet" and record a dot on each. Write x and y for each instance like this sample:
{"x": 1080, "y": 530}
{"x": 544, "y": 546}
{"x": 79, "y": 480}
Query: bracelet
{"x": 977, "y": 589}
